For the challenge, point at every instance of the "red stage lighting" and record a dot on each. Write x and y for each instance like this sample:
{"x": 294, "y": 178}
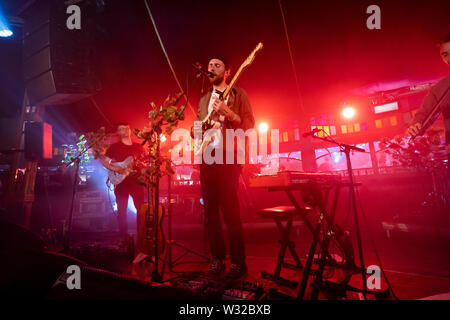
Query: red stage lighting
{"x": 348, "y": 112}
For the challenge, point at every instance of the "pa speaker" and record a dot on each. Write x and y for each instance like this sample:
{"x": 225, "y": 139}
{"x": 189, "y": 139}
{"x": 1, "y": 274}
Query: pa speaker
{"x": 56, "y": 59}
{"x": 38, "y": 141}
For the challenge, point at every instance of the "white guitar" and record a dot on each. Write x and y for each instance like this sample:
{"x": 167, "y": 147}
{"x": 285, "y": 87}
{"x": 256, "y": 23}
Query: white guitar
{"x": 115, "y": 177}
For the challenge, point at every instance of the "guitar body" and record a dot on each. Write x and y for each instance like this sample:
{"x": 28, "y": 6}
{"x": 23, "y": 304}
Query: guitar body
{"x": 146, "y": 235}
{"x": 114, "y": 177}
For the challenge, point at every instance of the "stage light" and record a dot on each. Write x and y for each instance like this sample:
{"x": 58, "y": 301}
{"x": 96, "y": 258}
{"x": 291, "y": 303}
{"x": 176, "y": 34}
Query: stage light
{"x": 5, "y": 31}
{"x": 386, "y": 107}
{"x": 336, "y": 156}
{"x": 263, "y": 127}
{"x": 162, "y": 138}
{"x": 348, "y": 112}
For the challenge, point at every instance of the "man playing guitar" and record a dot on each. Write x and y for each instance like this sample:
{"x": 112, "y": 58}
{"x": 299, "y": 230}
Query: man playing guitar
{"x": 118, "y": 152}
{"x": 436, "y": 93}
{"x": 220, "y": 182}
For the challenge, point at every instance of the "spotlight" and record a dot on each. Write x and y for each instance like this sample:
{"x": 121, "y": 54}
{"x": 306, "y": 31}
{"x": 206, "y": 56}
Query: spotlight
{"x": 348, "y": 112}
{"x": 162, "y": 137}
{"x": 5, "y": 33}
{"x": 336, "y": 156}
{"x": 263, "y": 127}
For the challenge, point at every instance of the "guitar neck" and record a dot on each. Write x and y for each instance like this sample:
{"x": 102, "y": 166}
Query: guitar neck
{"x": 232, "y": 83}
{"x": 247, "y": 62}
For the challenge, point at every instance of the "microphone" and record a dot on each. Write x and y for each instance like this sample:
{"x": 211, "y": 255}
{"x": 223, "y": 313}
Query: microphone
{"x": 199, "y": 67}
{"x": 311, "y": 133}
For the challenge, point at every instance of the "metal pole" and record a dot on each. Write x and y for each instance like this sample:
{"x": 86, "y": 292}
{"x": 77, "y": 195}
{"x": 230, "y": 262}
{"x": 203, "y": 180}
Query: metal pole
{"x": 355, "y": 214}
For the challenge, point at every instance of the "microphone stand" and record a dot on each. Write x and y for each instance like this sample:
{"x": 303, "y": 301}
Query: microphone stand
{"x": 346, "y": 149}
{"x": 171, "y": 263}
{"x": 76, "y": 161}
{"x": 171, "y": 243}
{"x": 156, "y": 276}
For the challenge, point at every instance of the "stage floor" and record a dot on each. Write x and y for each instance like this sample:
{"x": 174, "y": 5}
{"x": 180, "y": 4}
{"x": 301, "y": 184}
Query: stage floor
{"x": 417, "y": 266}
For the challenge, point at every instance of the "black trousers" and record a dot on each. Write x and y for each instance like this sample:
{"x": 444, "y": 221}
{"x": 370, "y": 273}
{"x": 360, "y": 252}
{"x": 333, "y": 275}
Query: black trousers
{"x": 128, "y": 187}
{"x": 220, "y": 193}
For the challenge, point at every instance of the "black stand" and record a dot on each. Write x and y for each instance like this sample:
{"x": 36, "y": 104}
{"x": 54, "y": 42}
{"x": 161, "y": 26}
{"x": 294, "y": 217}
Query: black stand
{"x": 346, "y": 149}
{"x": 156, "y": 276}
{"x": 68, "y": 233}
{"x": 76, "y": 160}
{"x": 170, "y": 242}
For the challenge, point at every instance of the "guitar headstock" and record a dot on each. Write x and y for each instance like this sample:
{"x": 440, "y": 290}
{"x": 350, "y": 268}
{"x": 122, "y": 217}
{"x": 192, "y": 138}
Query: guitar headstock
{"x": 252, "y": 55}
{"x": 246, "y": 63}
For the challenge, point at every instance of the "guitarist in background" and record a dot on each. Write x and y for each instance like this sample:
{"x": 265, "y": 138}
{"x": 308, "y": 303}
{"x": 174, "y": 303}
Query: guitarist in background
{"x": 118, "y": 152}
{"x": 436, "y": 93}
{"x": 220, "y": 181}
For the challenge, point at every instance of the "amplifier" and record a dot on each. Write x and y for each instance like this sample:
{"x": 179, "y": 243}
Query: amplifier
{"x": 90, "y": 204}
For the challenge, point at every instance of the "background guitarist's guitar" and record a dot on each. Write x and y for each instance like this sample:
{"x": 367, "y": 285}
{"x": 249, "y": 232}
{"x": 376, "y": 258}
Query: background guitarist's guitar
{"x": 146, "y": 231}
{"x": 115, "y": 177}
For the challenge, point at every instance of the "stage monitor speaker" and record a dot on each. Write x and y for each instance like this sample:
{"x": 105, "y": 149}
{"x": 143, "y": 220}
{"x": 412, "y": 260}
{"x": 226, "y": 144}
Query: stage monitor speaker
{"x": 99, "y": 284}
{"x": 56, "y": 59}
{"x": 38, "y": 141}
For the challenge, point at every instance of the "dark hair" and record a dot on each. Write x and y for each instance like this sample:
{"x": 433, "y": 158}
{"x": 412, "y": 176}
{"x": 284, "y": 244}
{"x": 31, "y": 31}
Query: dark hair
{"x": 117, "y": 124}
{"x": 444, "y": 39}
{"x": 223, "y": 59}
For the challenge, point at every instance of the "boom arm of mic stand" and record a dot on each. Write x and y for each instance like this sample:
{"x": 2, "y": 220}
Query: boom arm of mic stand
{"x": 341, "y": 145}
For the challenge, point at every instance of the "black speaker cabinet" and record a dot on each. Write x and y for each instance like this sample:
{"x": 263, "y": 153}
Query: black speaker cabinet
{"x": 56, "y": 59}
{"x": 38, "y": 141}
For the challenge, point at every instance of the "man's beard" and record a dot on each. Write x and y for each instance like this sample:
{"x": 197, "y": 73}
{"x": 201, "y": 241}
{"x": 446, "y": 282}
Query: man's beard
{"x": 218, "y": 80}
{"x": 125, "y": 136}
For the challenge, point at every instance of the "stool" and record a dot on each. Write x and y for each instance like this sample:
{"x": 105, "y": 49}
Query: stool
{"x": 278, "y": 214}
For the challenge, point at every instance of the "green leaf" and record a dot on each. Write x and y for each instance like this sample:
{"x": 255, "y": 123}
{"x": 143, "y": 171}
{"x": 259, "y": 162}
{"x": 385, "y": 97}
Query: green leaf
{"x": 152, "y": 114}
{"x": 171, "y": 110}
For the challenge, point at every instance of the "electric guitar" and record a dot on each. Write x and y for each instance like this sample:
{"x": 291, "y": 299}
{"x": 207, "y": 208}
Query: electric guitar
{"x": 208, "y": 122}
{"x": 115, "y": 177}
{"x": 146, "y": 234}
